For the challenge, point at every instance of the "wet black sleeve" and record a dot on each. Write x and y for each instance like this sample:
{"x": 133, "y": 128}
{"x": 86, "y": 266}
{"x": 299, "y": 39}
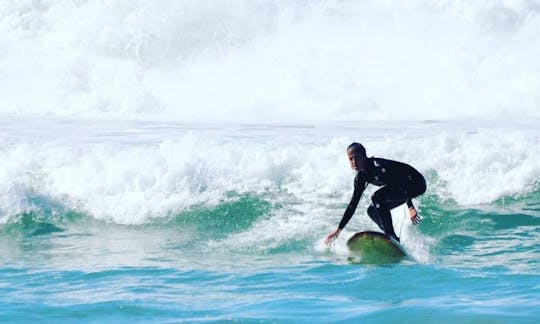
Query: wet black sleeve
{"x": 359, "y": 186}
{"x": 409, "y": 203}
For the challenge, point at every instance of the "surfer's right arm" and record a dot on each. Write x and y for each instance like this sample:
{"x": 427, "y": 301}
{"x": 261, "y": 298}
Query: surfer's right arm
{"x": 359, "y": 186}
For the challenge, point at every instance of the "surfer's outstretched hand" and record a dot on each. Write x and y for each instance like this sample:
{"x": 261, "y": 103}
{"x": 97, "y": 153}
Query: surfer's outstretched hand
{"x": 332, "y": 237}
{"x": 415, "y": 218}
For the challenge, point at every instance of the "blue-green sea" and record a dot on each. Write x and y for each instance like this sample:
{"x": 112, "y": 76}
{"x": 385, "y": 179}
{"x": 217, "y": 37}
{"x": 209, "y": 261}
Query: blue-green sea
{"x": 226, "y": 223}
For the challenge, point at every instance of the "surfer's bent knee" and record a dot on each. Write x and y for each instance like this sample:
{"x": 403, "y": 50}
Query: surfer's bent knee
{"x": 378, "y": 200}
{"x": 372, "y": 211}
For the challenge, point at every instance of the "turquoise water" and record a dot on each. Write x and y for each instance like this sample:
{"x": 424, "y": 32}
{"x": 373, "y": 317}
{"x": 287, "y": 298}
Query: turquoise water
{"x": 74, "y": 268}
{"x": 253, "y": 254}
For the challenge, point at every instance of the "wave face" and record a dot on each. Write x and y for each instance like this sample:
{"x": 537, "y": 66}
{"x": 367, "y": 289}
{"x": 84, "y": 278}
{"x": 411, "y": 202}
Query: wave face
{"x": 132, "y": 172}
{"x": 271, "y": 61}
{"x": 262, "y": 189}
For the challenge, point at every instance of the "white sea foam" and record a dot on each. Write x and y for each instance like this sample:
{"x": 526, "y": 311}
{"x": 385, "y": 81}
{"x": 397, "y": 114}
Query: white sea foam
{"x": 130, "y": 173}
{"x": 270, "y": 61}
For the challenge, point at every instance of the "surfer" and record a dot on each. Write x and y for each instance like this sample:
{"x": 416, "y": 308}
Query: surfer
{"x": 400, "y": 183}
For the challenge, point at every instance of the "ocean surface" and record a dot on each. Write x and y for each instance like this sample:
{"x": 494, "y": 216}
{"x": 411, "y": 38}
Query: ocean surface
{"x": 183, "y": 161}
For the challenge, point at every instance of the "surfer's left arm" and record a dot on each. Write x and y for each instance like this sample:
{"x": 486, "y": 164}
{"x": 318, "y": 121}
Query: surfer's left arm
{"x": 415, "y": 218}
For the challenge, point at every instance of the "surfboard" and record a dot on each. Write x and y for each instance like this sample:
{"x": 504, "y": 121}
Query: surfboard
{"x": 375, "y": 247}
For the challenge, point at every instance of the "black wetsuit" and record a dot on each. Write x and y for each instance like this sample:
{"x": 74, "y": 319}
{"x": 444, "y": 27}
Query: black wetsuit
{"x": 400, "y": 181}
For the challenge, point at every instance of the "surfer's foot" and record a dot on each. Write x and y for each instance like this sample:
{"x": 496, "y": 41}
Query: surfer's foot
{"x": 392, "y": 235}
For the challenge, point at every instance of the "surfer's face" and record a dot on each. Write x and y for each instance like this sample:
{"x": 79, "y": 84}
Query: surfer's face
{"x": 353, "y": 160}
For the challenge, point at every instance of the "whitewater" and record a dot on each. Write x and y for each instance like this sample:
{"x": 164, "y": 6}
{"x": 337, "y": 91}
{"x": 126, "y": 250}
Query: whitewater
{"x": 183, "y": 161}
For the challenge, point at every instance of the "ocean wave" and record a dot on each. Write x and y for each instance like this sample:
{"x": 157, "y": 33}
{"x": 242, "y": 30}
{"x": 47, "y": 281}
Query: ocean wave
{"x": 117, "y": 180}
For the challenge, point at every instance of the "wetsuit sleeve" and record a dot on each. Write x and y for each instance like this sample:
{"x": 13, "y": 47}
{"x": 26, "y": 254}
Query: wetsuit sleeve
{"x": 409, "y": 203}
{"x": 359, "y": 186}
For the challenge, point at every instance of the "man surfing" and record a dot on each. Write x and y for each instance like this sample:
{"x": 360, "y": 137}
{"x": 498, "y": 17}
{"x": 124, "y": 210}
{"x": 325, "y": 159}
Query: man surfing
{"x": 400, "y": 183}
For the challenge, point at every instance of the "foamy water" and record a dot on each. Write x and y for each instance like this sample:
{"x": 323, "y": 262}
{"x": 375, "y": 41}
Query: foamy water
{"x": 130, "y": 172}
{"x": 267, "y": 61}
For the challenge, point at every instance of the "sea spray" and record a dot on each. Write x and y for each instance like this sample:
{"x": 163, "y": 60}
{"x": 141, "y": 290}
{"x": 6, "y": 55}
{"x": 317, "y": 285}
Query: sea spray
{"x": 129, "y": 180}
{"x": 268, "y": 61}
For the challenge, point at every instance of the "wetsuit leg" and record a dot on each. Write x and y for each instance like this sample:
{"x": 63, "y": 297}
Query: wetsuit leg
{"x": 391, "y": 196}
{"x": 374, "y": 215}
{"x": 385, "y": 199}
